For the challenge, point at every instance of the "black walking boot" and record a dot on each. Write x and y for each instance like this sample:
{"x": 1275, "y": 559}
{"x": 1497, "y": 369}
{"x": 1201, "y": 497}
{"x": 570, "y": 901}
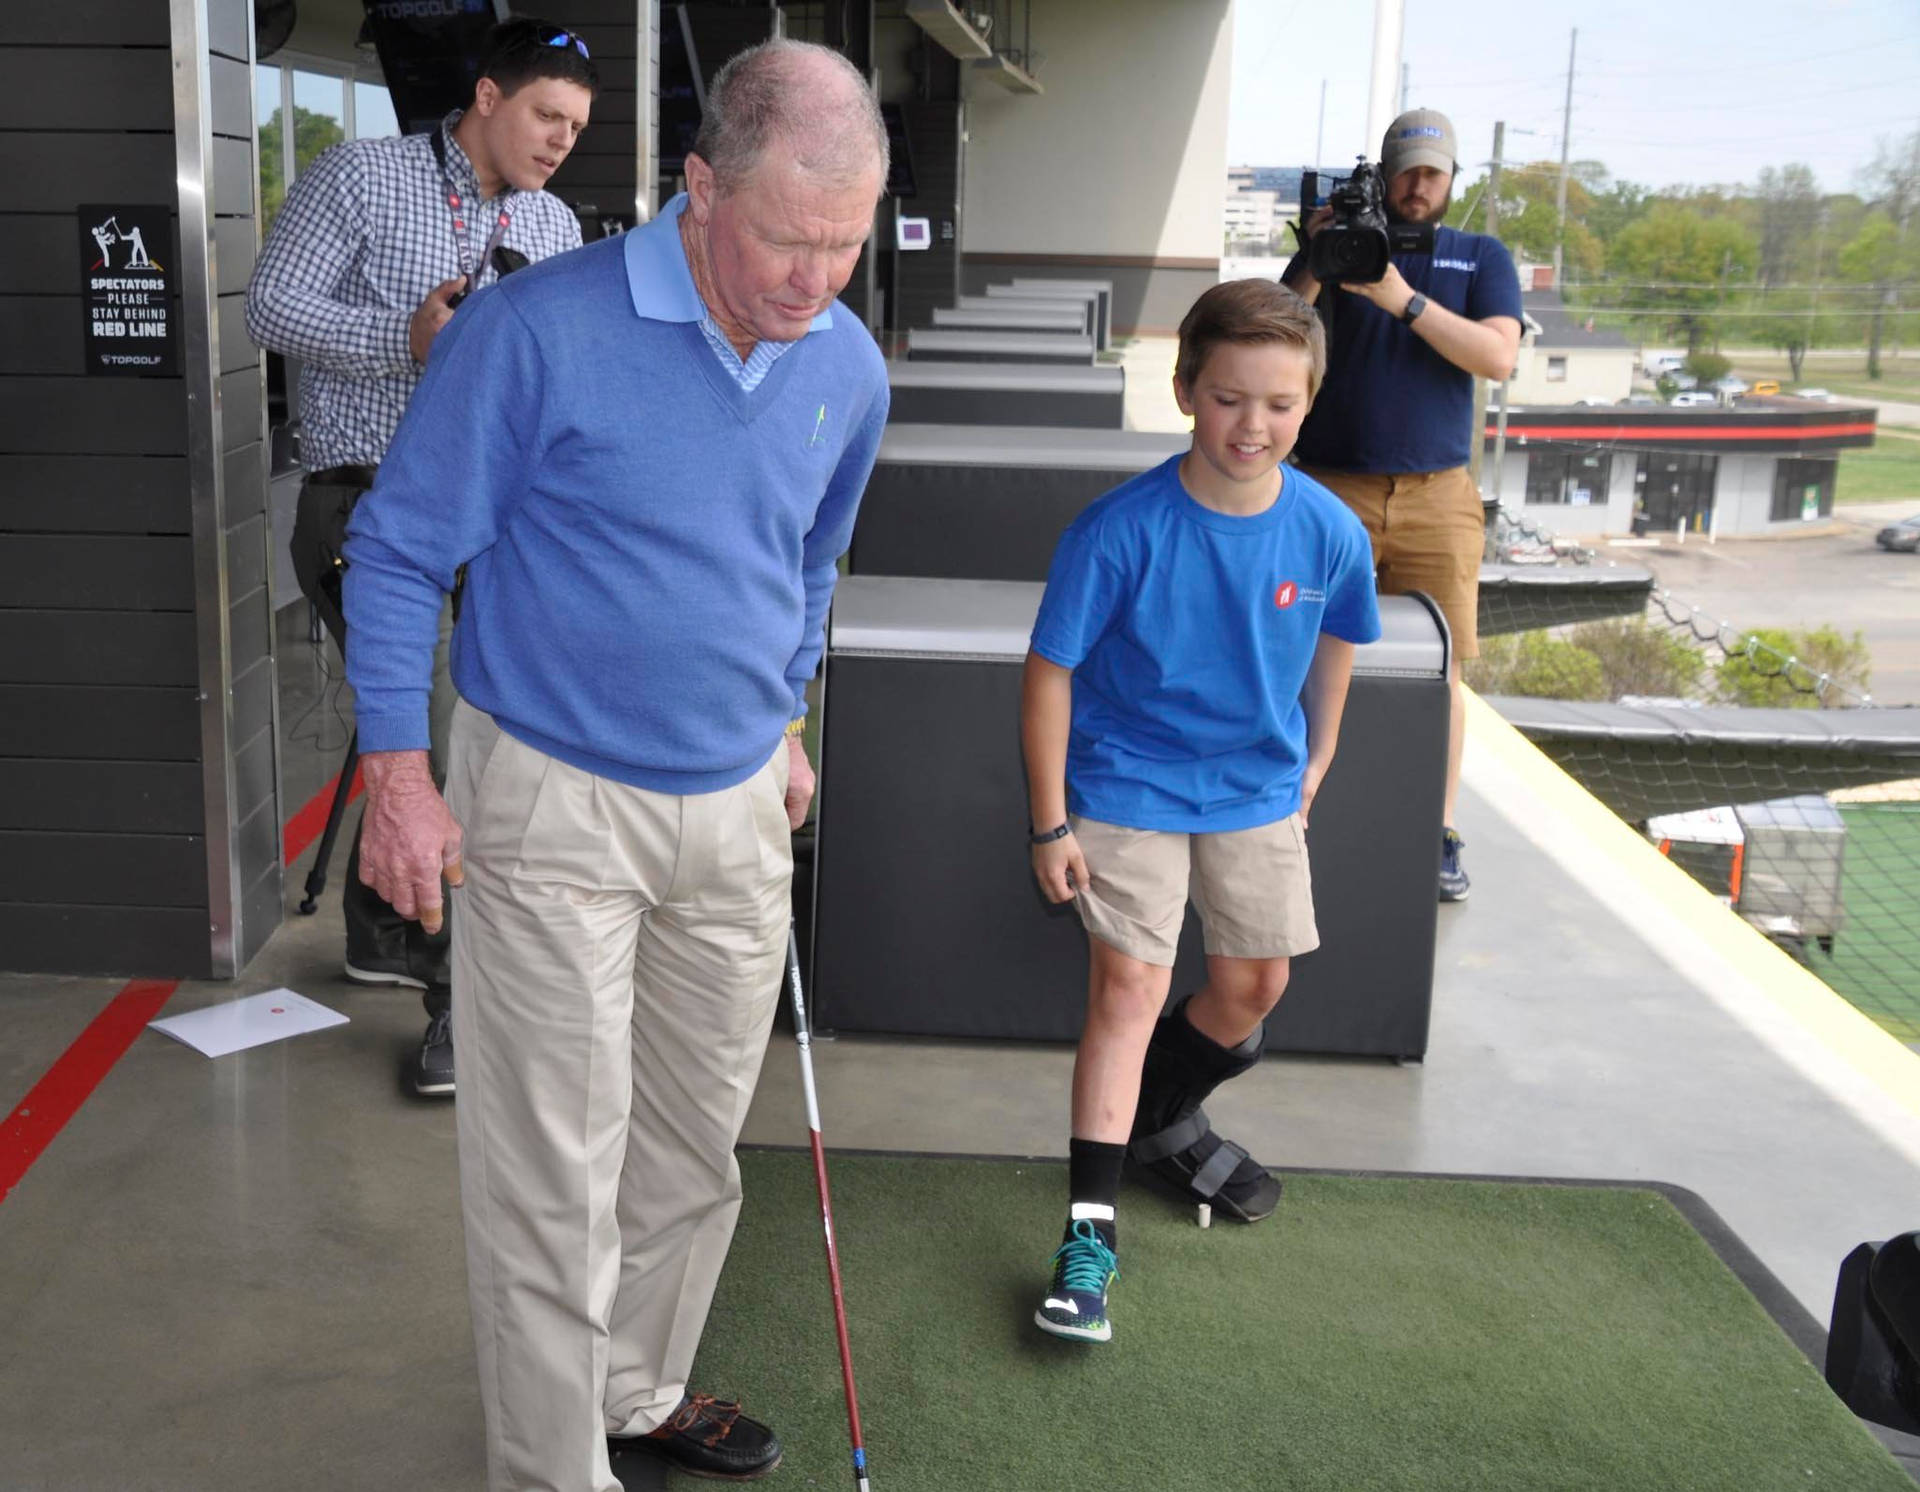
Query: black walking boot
{"x": 1174, "y": 1142}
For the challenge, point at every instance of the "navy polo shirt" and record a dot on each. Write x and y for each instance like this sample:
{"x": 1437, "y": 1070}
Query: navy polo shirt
{"x": 1390, "y": 403}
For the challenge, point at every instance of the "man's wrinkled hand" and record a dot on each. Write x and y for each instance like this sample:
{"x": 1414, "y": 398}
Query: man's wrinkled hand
{"x": 408, "y": 838}
{"x": 1060, "y": 868}
{"x": 800, "y": 782}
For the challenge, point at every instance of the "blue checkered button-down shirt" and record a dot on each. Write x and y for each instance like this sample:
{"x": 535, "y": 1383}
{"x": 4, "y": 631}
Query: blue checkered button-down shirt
{"x": 365, "y": 234}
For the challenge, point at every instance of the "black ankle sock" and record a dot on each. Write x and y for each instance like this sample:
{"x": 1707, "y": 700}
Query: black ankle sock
{"x": 1093, "y": 1176}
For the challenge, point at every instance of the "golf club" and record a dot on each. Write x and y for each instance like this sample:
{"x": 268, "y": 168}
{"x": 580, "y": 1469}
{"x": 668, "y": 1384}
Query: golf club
{"x": 803, "y": 1038}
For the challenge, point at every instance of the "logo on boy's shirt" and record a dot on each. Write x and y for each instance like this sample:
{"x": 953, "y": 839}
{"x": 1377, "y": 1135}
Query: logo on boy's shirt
{"x": 1289, "y": 592}
{"x": 815, "y": 440}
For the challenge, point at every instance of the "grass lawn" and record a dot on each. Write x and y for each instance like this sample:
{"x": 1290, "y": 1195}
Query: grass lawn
{"x": 1886, "y": 471}
{"x": 1377, "y": 1335}
{"x": 1845, "y": 375}
{"x": 1878, "y": 947}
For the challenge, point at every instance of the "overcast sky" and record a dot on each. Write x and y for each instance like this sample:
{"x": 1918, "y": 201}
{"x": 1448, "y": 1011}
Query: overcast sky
{"x": 1665, "y": 91}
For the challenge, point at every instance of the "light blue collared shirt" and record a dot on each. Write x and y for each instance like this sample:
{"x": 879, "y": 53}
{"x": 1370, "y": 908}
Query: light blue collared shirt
{"x": 663, "y": 290}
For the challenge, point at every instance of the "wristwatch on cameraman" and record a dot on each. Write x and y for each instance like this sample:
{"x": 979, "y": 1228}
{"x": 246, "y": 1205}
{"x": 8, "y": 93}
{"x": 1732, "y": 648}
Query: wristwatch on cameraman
{"x": 1414, "y": 308}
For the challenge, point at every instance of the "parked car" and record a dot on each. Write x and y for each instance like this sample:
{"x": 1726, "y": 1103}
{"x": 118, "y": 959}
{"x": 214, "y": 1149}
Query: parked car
{"x": 1695, "y": 399}
{"x": 1683, "y": 380}
{"x": 1825, "y": 395}
{"x": 1765, "y": 386}
{"x": 1639, "y": 399}
{"x": 1903, "y": 536}
{"x": 1730, "y": 386}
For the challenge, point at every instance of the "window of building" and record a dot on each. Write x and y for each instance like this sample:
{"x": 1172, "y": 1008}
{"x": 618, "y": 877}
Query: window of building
{"x": 327, "y": 105}
{"x": 1556, "y": 370}
{"x": 1573, "y": 476}
{"x": 1803, "y": 489}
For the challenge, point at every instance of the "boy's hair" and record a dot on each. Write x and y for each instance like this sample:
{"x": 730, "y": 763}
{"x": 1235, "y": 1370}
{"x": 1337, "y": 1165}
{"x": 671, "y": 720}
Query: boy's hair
{"x": 524, "y": 50}
{"x": 1247, "y": 313}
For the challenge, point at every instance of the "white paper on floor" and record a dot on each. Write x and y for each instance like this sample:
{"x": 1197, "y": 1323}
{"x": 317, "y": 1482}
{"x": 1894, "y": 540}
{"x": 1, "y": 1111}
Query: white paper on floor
{"x": 252, "y": 1021}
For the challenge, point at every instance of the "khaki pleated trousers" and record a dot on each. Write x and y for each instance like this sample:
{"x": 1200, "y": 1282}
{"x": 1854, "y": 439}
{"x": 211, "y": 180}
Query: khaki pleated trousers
{"x": 617, "y": 957}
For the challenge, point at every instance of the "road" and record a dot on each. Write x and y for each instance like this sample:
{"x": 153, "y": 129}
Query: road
{"x": 1839, "y": 578}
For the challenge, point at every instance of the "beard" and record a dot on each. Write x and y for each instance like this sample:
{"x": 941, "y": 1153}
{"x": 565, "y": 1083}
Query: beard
{"x": 1438, "y": 215}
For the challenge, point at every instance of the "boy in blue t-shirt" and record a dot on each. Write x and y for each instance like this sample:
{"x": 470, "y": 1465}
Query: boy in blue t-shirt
{"x": 1179, "y": 711}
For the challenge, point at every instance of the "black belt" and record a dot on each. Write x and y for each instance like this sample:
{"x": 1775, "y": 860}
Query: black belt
{"x": 345, "y": 476}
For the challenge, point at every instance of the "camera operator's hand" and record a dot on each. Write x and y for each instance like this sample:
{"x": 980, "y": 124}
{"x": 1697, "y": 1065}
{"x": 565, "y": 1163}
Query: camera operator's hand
{"x": 1297, "y": 278}
{"x": 434, "y": 312}
{"x": 1390, "y": 292}
{"x": 1319, "y": 219}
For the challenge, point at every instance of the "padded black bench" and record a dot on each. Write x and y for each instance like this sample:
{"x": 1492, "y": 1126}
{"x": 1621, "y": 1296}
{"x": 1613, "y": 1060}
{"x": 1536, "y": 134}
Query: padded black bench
{"x": 980, "y": 502}
{"x": 956, "y": 346}
{"x": 1007, "y": 394}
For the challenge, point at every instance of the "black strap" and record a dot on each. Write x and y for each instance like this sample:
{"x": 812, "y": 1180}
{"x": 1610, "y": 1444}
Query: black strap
{"x": 1180, "y": 1135}
{"x": 501, "y": 221}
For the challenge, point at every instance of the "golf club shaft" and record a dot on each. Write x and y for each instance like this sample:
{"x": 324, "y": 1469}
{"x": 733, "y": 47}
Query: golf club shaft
{"x": 803, "y": 1038}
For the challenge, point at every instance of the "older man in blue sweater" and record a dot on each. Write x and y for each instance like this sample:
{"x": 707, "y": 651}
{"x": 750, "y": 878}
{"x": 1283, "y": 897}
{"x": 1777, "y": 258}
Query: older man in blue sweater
{"x": 647, "y": 454}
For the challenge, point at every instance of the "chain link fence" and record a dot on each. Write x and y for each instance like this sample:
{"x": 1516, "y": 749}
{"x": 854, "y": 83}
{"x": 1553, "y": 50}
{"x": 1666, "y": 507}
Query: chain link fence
{"x": 1756, "y": 758}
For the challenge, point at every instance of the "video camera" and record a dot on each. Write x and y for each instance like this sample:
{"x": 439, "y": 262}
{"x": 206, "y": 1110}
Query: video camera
{"x": 1357, "y": 244}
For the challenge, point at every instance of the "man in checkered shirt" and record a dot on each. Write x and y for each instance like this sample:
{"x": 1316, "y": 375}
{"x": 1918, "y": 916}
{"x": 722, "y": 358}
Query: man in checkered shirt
{"x": 378, "y": 243}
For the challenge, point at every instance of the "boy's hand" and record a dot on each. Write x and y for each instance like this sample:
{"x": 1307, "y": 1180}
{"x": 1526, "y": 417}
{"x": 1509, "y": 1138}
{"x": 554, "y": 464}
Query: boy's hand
{"x": 1060, "y": 868}
{"x": 1309, "y": 790}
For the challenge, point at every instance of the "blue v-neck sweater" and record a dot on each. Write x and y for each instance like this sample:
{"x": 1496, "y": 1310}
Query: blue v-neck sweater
{"x": 650, "y": 551}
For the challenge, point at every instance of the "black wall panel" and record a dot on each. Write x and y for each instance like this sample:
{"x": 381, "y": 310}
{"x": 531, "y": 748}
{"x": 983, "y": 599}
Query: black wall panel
{"x": 93, "y": 416}
{"x": 151, "y": 870}
{"x": 245, "y": 483}
{"x": 56, "y": 171}
{"x": 109, "y": 797}
{"x": 233, "y": 254}
{"x": 81, "y": 723}
{"x": 119, "y": 23}
{"x": 72, "y": 493}
{"x": 106, "y": 940}
{"x": 97, "y": 647}
{"x": 232, "y": 98}
{"x": 84, "y": 88}
{"x": 96, "y": 571}
{"x": 228, "y": 25}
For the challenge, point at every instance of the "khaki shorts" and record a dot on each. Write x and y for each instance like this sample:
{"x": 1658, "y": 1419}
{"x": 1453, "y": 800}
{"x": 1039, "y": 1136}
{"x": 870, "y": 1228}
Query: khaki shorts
{"x": 1428, "y": 530}
{"x": 1252, "y": 888}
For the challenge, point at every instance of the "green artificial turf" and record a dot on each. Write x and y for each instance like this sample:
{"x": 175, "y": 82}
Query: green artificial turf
{"x": 1391, "y": 1334}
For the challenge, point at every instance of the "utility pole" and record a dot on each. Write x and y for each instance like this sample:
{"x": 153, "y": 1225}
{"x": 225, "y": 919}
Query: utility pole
{"x": 1477, "y": 452}
{"x": 1320, "y": 133}
{"x": 1406, "y": 80}
{"x": 1389, "y": 22}
{"x": 1566, "y": 139}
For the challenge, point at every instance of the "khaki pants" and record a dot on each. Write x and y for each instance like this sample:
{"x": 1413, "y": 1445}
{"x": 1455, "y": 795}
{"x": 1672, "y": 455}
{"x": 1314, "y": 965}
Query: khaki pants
{"x": 1429, "y": 529}
{"x": 616, "y": 962}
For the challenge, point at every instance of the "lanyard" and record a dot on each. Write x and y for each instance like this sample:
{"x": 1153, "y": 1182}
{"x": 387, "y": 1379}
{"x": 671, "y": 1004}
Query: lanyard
{"x": 459, "y": 220}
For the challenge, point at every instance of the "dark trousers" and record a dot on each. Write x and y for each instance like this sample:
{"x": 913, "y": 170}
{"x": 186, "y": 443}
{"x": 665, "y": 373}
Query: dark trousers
{"x": 376, "y": 934}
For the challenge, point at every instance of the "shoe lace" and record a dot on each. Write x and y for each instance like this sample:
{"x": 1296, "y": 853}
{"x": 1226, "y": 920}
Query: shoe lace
{"x": 439, "y": 1028}
{"x": 1450, "y": 846}
{"x": 1084, "y": 1261}
{"x": 719, "y": 1416}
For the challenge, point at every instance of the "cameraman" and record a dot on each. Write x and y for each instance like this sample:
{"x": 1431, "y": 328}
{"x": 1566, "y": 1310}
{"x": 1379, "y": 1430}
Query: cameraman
{"x": 376, "y": 246}
{"x": 1391, "y": 432}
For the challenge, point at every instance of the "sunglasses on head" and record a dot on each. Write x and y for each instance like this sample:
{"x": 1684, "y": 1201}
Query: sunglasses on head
{"x": 559, "y": 36}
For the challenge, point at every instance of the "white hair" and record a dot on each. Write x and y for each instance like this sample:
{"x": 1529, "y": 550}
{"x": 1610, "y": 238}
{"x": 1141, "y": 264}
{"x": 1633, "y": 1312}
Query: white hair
{"x": 809, "y": 97}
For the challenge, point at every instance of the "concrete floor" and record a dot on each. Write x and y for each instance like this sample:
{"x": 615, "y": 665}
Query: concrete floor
{"x": 248, "y": 1273}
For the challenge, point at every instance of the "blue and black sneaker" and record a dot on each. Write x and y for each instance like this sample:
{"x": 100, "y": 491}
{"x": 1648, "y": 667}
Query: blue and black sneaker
{"x": 1076, "y": 1303}
{"x": 1453, "y": 875}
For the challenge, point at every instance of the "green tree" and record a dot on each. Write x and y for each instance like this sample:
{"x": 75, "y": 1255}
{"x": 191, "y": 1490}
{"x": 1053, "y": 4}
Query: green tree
{"x": 1707, "y": 366}
{"x": 1680, "y": 260}
{"x": 1529, "y": 214}
{"x": 1537, "y": 665}
{"x": 312, "y": 133}
{"x": 1764, "y": 677}
{"x": 1636, "y": 658}
{"x": 1879, "y": 259}
{"x": 1787, "y": 208}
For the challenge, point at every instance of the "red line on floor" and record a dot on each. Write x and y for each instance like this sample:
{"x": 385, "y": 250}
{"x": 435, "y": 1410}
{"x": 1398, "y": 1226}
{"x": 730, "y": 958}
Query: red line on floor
{"x": 57, "y": 1097}
{"x": 310, "y": 822}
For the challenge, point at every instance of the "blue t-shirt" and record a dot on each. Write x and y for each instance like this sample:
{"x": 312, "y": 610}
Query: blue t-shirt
{"x": 1189, "y": 633}
{"x": 1390, "y": 403}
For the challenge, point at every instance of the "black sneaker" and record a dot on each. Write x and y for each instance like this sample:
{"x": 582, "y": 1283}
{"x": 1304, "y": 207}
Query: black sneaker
{"x": 1076, "y": 1301}
{"x": 1453, "y": 876}
{"x": 709, "y": 1437}
{"x": 433, "y": 1069}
